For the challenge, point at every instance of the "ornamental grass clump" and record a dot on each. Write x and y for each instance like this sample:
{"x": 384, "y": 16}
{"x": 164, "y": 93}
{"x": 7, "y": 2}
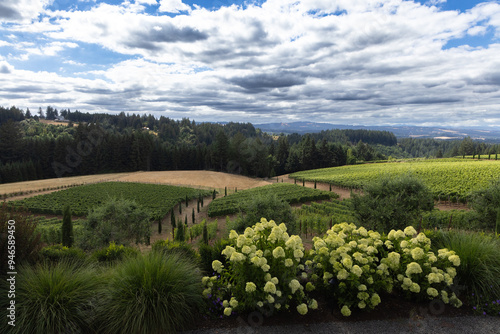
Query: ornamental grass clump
{"x": 56, "y": 298}
{"x": 260, "y": 272}
{"x": 479, "y": 270}
{"x": 417, "y": 271}
{"x": 152, "y": 293}
{"x": 346, "y": 264}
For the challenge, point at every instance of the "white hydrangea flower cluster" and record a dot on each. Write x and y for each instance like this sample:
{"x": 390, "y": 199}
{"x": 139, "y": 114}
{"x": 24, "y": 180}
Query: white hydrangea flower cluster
{"x": 254, "y": 261}
{"x": 347, "y": 259}
{"x": 420, "y": 271}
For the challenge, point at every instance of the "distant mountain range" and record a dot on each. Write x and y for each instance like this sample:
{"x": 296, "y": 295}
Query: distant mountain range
{"x": 399, "y": 131}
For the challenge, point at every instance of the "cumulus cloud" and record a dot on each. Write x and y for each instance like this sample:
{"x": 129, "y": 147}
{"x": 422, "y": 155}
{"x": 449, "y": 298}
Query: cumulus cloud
{"x": 353, "y": 61}
{"x": 173, "y": 6}
{"x": 50, "y": 49}
{"x": 5, "y": 67}
{"x": 21, "y": 10}
{"x": 147, "y": 2}
{"x": 151, "y": 39}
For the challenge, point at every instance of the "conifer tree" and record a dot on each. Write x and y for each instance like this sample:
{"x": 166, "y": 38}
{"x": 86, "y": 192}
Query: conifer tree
{"x": 180, "y": 232}
{"x": 205, "y": 233}
{"x": 67, "y": 228}
{"x": 172, "y": 218}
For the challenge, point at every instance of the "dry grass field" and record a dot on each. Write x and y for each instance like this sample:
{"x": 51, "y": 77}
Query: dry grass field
{"x": 46, "y": 121}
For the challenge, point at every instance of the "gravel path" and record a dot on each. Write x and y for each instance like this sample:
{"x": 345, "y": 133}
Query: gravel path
{"x": 434, "y": 325}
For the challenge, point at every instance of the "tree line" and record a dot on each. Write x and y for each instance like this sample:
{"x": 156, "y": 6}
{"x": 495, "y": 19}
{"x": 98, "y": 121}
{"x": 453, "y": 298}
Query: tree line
{"x": 103, "y": 143}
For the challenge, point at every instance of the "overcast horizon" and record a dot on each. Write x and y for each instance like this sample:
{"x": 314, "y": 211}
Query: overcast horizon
{"x": 357, "y": 62}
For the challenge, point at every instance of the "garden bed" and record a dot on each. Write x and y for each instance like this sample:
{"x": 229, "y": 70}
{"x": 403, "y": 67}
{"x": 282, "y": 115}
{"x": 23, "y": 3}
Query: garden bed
{"x": 392, "y": 307}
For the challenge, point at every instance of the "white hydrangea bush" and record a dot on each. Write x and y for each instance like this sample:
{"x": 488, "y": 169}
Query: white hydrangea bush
{"x": 346, "y": 263}
{"x": 262, "y": 270}
{"x": 355, "y": 266}
{"x": 416, "y": 270}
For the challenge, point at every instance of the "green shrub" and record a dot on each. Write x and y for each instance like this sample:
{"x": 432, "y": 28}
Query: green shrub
{"x": 479, "y": 270}
{"x": 114, "y": 253}
{"x": 152, "y": 293}
{"x": 269, "y": 206}
{"x": 21, "y": 227}
{"x": 56, "y": 298}
{"x": 392, "y": 203}
{"x": 56, "y": 253}
{"x": 67, "y": 228}
{"x": 181, "y": 248}
{"x": 456, "y": 219}
{"x": 209, "y": 253}
{"x": 487, "y": 204}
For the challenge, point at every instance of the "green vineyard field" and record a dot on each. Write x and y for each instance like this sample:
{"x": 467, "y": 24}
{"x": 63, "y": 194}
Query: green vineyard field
{"x": 288, "y": 192}
{"x": 159, "y": 199}
{"x": 317, "y": 218}
{"x": 50, "y": 228}
{"x": 452, "y": 179}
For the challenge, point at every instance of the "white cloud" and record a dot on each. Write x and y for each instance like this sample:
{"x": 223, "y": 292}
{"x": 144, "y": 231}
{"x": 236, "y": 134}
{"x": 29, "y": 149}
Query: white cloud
{"x": 357, "y": 61}
{"x": 50, "y": 49}
{"x": 72, "y": 62}
{"x": 5, "y": 67}
{"x": 173, "y": 6}
{"x": 435, "y": 2}
{"x": 21, "y": 10}
{"x": 147, "y": 2}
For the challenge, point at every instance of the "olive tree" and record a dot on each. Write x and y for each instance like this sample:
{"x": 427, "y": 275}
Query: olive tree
{"x": 118, "y": 220}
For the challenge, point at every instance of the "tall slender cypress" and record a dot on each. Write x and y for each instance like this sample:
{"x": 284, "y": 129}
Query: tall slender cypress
{"x": 180, "y": 236}
{"x": 172, "y": 218}
{"x": 205, "y": 233}
{"x": 67, "y": 228}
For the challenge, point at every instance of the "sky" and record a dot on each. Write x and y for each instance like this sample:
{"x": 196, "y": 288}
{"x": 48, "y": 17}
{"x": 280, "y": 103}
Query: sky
{"x": 357, "y": 62}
